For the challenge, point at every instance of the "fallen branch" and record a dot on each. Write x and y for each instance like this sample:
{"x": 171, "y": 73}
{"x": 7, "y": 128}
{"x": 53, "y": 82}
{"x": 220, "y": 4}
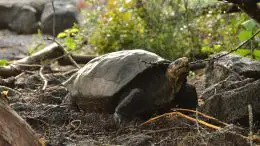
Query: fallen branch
{"x": 51, "y": 53}
{"x": 32, "y": 62}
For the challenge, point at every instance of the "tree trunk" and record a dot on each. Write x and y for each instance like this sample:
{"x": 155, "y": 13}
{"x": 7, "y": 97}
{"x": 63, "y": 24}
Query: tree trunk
{"x": 250, "y": 7}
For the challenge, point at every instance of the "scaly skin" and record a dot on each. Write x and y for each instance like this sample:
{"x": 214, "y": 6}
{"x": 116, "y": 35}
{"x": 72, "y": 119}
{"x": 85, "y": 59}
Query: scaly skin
{"x": 177, "y": 72}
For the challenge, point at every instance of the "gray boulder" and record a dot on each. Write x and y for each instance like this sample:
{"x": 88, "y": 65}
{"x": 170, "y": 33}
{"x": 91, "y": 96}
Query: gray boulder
{"x": 66, "y": 14}
{"x": 24, "y": 16}
{"x": 23, "y": 19}
{"x": 228, "y": 84}
{"x": 5, "y": 11}
{"x": 20, "y": 18}
{"x": 232, "y": 105}
{"x": 231, "y": 65}
{"x": 232, "y": 84}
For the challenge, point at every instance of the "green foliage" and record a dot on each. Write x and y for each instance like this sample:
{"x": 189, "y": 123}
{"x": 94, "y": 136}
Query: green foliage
{"x": 72, "y": 38}
{"x": 244, "y": 35}
{"x": 3, "y": 62}
{"x": 249, "y": 27}
{"x": 155, "y": 26}
{"x": 169, "y": 28}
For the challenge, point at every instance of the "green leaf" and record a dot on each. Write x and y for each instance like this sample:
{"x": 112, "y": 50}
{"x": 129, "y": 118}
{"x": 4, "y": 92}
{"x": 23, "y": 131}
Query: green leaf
{"x": 70, "y": 43}
{"x": 207, "y": 49}
{"x": 62, "y": 35}
{"x": 217, "y": 48}
{"x": 257, "y": 54}
{"x": 249, "y": 25}
{"x": 242, "y": 52}
{"x": 3, "y": 62}
{"x": 244, "y": 35}
{"x": 74, "y": 30}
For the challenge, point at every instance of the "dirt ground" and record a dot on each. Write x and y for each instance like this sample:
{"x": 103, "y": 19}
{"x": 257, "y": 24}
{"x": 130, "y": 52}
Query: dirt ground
{"x": 59, "y": 125}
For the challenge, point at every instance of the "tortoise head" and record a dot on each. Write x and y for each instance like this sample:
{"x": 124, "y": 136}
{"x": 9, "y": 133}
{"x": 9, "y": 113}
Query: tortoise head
{"x": 177, "y": 72}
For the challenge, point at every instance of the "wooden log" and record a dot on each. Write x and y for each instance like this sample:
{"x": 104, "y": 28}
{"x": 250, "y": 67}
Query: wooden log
{"x": 14, "y": 131}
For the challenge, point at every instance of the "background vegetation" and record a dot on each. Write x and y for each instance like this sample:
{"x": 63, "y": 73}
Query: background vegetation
{"x": 170, "y": 28}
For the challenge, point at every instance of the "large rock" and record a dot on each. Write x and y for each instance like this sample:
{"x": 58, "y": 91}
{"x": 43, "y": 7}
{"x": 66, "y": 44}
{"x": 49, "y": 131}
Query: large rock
{"x": 5, "y": 11}
{"x": 66, "y": 14}
{"x": 232, "y": 84}
{"x": 23, "y": 19}
{"x": 19, "y": 16}
{"x": 232, "y": 105}
{"x": 231, "y": 65}
{"x": 23, "y": 16}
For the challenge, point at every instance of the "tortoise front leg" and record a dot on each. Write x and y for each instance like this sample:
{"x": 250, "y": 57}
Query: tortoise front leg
{"x": 186, "y": 97}
{"x": 134, "y": 103}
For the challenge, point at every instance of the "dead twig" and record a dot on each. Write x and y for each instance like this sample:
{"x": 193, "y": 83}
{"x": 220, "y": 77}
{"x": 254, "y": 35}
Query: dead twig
{"x": 202, "y": 114}
{"x": 70, "y": 72}
{"x": 27, "y": 65}
{"x": 69, "y": 55}
{"x": 18, "y": 76}
{"x": 165, "y": 130}
{"x": 57, "y": 42}
{"x": 73, "y": 61}
{"x": 197, "y": 119}
{"x": 10, "y": 89}
{"x": 183, "y": 116}
{"x": 74, "y": 126}
{"x": 45, "y": 81}
{"x": 66, "y": 53}
{"x": 250, "y": 113}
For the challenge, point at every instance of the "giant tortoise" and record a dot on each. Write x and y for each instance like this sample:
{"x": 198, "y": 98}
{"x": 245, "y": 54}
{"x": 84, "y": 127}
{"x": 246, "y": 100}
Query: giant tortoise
{"x": 131, "y": 83}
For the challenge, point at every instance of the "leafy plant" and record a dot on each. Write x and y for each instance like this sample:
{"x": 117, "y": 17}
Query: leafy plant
{"x": 72, "y": 38}
{"x": 3, "y": 62}
{"x": 168, "y": 28}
